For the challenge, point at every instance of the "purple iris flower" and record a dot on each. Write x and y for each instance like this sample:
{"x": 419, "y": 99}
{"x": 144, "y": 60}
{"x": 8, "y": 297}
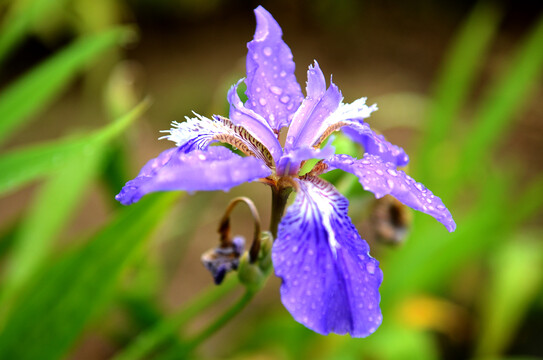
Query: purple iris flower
{"x": 329, "y": 281}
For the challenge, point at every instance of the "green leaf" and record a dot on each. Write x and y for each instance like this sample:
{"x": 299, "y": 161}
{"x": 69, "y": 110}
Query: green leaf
{"x": 513, "y": 287}
{"x": 30, "y": 94}
{"x": 504, "y": 99}
{"x": 22, "y": 166}
{"x": 456, "y": 79}
{"x": 51, "y": 314}
{"x": 56, "y": 202}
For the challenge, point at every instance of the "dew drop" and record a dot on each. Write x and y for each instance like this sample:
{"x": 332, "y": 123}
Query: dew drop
{"x": 285, "y": 99}
{"x": 392, "y": 172}
{"x": 262, "y": 101}
{"x": 295, "y": 249}
{"x": 370, "y": 267}
{"x": 379, "y": 172}
{"x": 258, "y": 89}
{"x": 283, "y": 73}
{"x": 390, "y": 183}
{"x": 255, "y": 56}
{"x": 276, "y": 90}
{"x": 268, "y": 51}
{"x": 201, "y": 157}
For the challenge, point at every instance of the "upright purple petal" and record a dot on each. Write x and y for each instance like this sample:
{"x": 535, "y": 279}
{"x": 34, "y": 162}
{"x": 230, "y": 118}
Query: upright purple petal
{"x": 374, "y": 144}
{"x": 257, "y": 126}
{"x": 382, "y": 178}
{"x": 216, "y": 168}
{"x": 272, "y": 89}
{"x": 315, "y": 109}
{"x": 330, "y": 282}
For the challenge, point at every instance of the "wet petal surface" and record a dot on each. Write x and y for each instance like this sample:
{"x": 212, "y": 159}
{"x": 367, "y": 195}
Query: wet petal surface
{"x": 272, "y": 89}
{"x": 320, "y": 102}
{"x": 216, "y": 168}
{"x": 382, "y": 178}
{"x": 254, "y": 123}
{"x": 330, "y": 282}
{"x": 375, "y": 144}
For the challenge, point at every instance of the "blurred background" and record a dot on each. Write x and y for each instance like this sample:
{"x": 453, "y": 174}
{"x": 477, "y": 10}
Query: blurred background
{"x": 86, "y": 86}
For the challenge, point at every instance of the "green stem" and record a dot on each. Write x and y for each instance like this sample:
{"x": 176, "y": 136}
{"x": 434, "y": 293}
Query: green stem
{"x": 161, "y": 332}
{"x": 221, "y": 320}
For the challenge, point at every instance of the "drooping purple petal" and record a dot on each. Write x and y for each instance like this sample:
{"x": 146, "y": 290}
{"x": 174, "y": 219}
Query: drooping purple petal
{"x": 330, "y": 282}
{"x": 257, "y": 126}
{"x": 374, "y": 144}
{"x": 216, "y": 168}
{"x": 382, "y": 178}
{"x": 199, "y": 132}
{"x": 315, "y": 109}
{"x": 290, "y": 162}
{"x": 272, "y": 89}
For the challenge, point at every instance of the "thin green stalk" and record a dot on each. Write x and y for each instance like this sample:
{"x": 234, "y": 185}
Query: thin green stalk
{"x": 220, "y": 321}
{"x": 151, "y": 339}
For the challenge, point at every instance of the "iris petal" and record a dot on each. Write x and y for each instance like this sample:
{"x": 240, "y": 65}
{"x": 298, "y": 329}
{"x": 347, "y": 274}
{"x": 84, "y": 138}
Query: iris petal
{"x": 253, "y": 122}
{"x": 272, "y": 89}
{"x": 315, "y": 109}
{"x": 330, "y": 282}
{"x": 375, "y": 144}
{"x": 382, "y": 178}
{"x": 216, "y": 168}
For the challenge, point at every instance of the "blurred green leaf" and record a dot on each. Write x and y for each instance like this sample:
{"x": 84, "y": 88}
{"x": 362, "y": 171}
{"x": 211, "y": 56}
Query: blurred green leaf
{"x": 22, "y": 166}
{"x": 513, "y": 288}
{"x": 431, "y": 247}
{"x": 455, "y": 82}
{"x": 53, "y": 208}
{"x": 51, "y": 314}
{"x": 504, "y": 99}
{"x": 164, "y": 330}
{"x": 57, "y": 200}
{"x": 30, "y": 94}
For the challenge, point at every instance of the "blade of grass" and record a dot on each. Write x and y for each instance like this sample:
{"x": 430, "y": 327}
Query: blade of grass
{"x": 53, "y": 208}
{"x": 52, "y": 313}
{"x": 455, "y": 81}
{"x": 30, "y": 94}
{"x": 22, "y": 166}
{"x": 503, "y": 308}
{"x": 503, "y": 101}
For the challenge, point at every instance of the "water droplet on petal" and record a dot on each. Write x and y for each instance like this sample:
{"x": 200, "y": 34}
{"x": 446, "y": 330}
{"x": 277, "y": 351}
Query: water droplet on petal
{"x": 268, "y": 51}
{"x": 370, "y": 267}
{"x": 379, "y": 172}
{"x": 392, "y": 172}
{"x": 276, "y": 90}
{"x": 283, "y": 73}
{"x": 285, "y": 99}
{"x": 258, "y": 89}
{"x": 262, "y": 101}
